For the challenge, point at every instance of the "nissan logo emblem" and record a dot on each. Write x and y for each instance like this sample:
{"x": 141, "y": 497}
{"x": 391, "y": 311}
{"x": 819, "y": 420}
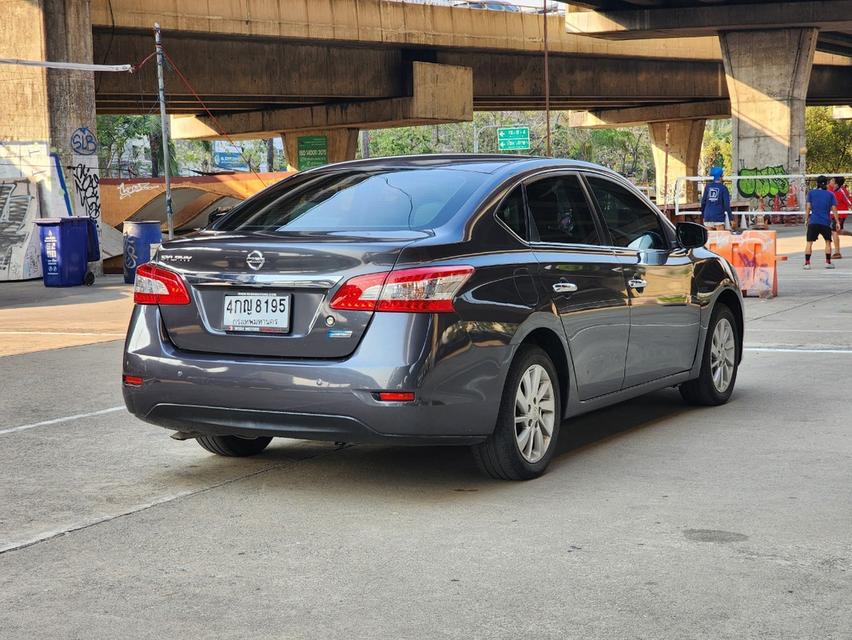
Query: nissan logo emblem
{"x": 255, "y": 260}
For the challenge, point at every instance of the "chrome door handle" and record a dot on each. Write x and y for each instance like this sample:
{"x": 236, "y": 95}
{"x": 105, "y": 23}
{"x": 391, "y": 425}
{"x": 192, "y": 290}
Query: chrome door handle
{"x": 564, "y": 287}
{"x": 637, "y": 283}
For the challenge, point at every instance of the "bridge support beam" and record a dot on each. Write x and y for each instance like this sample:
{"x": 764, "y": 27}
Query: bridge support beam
{"x": 47, "y": 125}
{"x": 440, "y": 93}
{"x": 767, "y": 74}
{"x": 676, "y": 147}
{"x": 309, "y": 148}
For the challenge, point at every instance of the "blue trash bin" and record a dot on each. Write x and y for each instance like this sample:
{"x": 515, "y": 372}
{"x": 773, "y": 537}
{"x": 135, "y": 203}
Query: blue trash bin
{"x": 65, "y": 250}
{"x": 138, "y": 238}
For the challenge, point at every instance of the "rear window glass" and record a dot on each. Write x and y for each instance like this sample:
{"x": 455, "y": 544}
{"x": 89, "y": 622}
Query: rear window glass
{"x": 357, "y": 200}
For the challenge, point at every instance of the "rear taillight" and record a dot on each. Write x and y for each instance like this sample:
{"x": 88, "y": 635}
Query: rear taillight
{"x": 395, "y": 396}
{"x": 132, "y": 381}
{"x": 420, "y": 290}
{"x": 155, "y": 285}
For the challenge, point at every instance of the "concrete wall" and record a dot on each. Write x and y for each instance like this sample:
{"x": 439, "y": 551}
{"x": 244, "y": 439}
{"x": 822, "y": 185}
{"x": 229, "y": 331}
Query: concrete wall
{"x": 48, "y": 165}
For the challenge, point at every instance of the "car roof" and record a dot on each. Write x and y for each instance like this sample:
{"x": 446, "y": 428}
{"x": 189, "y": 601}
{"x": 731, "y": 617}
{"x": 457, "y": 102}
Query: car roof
{"x": 483, "y": 163}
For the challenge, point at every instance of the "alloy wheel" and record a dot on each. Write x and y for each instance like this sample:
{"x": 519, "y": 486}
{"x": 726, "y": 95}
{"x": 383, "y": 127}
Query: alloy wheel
{"x": 535, "y": 411}
{"x": 722, "y": 354}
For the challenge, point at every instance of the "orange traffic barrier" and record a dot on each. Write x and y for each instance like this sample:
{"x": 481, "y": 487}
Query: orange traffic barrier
{"x": 753, "y": 255}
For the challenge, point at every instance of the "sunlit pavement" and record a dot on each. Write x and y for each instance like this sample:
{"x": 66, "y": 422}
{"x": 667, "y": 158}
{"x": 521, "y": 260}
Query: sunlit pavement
{"x": 655, "y": 521}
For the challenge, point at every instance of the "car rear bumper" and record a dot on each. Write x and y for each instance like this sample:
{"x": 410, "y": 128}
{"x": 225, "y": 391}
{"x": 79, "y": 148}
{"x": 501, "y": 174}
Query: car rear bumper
{"x": 457, "y": 386}
{"x": 197, "y": 420}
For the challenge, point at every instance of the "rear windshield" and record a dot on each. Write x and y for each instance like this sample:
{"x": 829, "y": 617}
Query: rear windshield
{"x": 357, "y": 200}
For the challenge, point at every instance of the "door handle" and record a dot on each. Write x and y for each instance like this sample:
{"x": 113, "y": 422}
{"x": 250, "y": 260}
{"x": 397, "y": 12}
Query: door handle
{"x": 565, "y": 287}
{"x": 637, "y": 283}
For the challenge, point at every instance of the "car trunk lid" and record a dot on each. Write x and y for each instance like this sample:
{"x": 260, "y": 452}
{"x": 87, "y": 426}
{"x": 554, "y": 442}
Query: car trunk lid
{"x": 249, "y": 270}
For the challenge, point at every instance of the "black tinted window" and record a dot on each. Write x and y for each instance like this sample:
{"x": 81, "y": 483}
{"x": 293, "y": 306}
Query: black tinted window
{"x": 629, "y": 220}
{"x": 357, "y": 200}
{"x": 513, "y": 213}
{"x": 560, "y": 211}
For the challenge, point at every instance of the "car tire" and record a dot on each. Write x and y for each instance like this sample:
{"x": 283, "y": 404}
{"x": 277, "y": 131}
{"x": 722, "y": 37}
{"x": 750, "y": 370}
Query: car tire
{"x": 233, "y": 446}
{"x": 719, "y": 362}
{"x": 524, "y": 425}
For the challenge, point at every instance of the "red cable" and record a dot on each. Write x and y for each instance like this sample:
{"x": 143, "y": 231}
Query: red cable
{"x": 143, "y": 63}
{"x": 218, "y": 125}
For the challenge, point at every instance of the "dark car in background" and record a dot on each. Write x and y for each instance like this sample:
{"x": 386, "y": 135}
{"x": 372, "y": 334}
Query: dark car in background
{"x": 470, "y": 300}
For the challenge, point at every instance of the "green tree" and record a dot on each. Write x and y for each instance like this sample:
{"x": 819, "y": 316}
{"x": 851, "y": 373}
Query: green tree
{"x": 114, "y": 132}
{"x": 625, "y": 150}
{"x": 829, "y": 142}
{"x": 716, "y": 148}
{"x": 401, "y": 141}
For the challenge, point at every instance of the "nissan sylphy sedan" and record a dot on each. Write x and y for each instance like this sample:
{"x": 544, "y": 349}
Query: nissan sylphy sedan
{"x": 459, "y": 300}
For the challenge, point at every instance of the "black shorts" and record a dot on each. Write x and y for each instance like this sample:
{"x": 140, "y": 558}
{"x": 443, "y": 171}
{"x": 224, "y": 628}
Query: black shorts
{"x": 817, "y": 230}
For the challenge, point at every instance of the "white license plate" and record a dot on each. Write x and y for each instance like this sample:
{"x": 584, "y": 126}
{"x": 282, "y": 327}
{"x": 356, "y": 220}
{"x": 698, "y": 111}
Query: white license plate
{"x": 257, "y": 312}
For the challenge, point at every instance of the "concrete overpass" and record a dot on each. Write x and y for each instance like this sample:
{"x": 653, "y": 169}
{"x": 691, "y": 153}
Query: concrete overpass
{"x": 418, "y": 64}
{"x": 331, "y": 67}
{"x": 771, "y": 56}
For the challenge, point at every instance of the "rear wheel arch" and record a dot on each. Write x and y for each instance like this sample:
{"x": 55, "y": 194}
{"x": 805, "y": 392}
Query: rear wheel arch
{"x": 549, "y": 342}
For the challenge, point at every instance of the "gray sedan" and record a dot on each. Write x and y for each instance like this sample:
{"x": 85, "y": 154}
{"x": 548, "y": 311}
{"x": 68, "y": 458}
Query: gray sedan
{"x": 460, "y": 300}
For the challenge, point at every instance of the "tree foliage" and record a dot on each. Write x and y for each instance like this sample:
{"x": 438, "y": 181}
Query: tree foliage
{"x": 829, "y": 142}
{"x": 627, "y": 151}
{"x": 114, "y": 134}
{"x": 716, "y": 149}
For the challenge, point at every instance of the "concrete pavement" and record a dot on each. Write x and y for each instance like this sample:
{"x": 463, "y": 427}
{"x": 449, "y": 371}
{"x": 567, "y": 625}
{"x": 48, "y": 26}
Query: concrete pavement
{"x": 655, "y": 521}
{"x": 33, "y": 318}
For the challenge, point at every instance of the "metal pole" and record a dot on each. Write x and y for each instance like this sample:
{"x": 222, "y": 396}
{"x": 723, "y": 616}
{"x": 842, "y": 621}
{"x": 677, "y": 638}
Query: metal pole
{"x": 666, "y": 175}
{"x": 546, "y": 81}
{"x": 365, "y": 143}
{"x": 475, "y": 139}
{"x": 161, "y": 88}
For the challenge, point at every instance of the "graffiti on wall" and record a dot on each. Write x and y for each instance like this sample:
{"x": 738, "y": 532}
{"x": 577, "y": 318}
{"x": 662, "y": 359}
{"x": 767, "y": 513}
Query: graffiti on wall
{"x": 127, "y": 190}
{"x": 19, "y": 256}
{"x": 29, "y": 189}
{"x": 84, "y": 142}
{"x": 86, "y": 183}
{"x": 752, "y": 185}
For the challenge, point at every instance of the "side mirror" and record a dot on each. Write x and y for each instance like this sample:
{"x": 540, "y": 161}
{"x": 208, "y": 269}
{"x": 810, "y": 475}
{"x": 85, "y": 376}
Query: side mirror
{"x": 691, "y": 235}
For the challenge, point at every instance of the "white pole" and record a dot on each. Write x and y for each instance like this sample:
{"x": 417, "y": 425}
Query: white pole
{"x": 475, "y": 138}
{"x": 164, "y": 125}
{"x": 69, "y": 66}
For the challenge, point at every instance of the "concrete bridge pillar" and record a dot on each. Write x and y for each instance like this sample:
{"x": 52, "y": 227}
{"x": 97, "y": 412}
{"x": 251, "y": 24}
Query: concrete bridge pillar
{"x": 681, "y": 141}
{"x": 767, "y": 74}
{"x": 307, "y": 149}
{"x": 47, "y": 124}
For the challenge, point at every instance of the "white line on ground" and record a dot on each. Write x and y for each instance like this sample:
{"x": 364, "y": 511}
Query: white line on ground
{"x": 59, "y": 333}
{"x": 144, "y": 506}
{"x": 76, "y": 416}
{"x": 55, "y": 533}
{"x": 776, "y": 329}
{"x": 797, "y": 350}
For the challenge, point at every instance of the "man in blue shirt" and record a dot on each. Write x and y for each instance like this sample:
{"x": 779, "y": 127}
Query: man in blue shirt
{"x": 820, "y": 208}
{"x": 716, "y": 201}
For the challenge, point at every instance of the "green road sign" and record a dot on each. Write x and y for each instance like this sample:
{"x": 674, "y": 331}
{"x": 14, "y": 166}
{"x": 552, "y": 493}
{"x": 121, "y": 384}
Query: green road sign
{"x": 513, "y": 138}
{"x": 313, "y": 151}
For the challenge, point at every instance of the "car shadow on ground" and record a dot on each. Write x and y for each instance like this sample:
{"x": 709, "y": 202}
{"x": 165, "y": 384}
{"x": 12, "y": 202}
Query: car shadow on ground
{"x": 425, "y": 470}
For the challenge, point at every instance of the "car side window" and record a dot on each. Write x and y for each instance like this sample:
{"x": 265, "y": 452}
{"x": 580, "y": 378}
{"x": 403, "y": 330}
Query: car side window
{"x": 630, "y": 222}
{"x": 560, "y": 211}
{"x": 513, "y": 213}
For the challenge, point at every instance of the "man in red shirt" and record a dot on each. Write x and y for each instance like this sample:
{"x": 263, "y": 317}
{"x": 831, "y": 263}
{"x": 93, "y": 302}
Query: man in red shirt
{"x": 844, "y": 205}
